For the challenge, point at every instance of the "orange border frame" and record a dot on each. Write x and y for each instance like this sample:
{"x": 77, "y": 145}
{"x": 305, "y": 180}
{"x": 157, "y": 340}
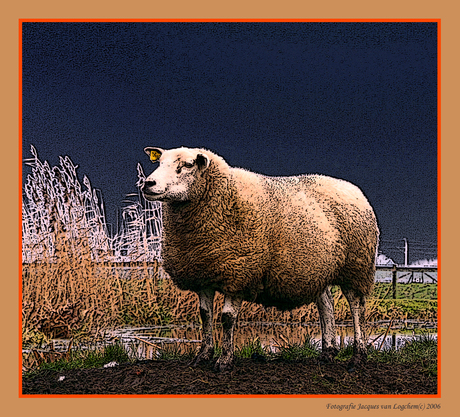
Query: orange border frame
{"x": 438, "y": 21}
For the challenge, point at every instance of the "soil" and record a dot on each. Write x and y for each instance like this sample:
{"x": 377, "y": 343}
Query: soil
{"x": 248, "y": 377}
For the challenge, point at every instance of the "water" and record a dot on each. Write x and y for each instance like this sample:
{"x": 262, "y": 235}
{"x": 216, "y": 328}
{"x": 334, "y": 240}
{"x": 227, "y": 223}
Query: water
{"x": 146, "y": 342}
{"x": 272, "y": 336}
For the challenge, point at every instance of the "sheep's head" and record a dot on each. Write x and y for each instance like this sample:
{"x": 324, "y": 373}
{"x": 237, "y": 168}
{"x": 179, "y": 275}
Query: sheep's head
{"x": 179, "y": 176}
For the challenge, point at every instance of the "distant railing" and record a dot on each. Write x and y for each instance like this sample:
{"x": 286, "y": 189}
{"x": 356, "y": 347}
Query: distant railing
{"x": 409, "y": 273}
{"x": 416, "y": 268}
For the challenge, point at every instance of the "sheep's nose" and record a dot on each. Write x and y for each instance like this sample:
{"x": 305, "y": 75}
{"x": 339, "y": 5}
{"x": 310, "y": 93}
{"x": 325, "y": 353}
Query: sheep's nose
{"x": 148, "y": 184}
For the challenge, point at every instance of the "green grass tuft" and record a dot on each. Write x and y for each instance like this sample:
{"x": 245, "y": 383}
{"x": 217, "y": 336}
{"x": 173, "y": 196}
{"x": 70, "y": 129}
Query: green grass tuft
{"x": 87, "y": 359}
{"x": 250, "y": 348}
{"x": 421, "y": 349}
{"x": 292, "y": 351}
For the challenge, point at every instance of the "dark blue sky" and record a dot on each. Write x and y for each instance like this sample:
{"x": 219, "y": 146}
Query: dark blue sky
{"x": 356, "y": 101}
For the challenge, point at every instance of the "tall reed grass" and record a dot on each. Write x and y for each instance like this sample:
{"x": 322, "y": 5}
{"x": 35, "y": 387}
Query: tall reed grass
{"x": 60, "y": 214}
{"x": 65, "y": 241}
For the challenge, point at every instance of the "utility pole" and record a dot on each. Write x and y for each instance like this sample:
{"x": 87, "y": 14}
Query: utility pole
{"x": 405, "y": 251}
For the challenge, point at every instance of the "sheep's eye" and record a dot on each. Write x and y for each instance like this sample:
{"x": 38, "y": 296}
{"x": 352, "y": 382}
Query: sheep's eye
{"x": 188, "y": 164}
{"x": 178, "y": 170}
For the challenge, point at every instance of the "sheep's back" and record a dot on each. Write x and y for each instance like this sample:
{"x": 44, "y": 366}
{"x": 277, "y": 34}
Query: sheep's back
{"x": 322, "y": 231}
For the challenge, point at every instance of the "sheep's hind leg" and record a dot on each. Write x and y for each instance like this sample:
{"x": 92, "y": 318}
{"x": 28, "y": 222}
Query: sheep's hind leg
{"x": 206, "y": 312}
{"x": 325, "y": 304}
{"x": 358, "y": 308}
{"x": 230, "y": 312}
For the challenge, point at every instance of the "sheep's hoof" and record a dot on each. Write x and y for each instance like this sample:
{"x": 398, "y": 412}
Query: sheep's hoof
{"x": 358, "y": 358}
{"x": 201, "y": 358}
{"x": 224, "y": 365}
{"x": 360, "y": 353}
{"x": 328, "y": 354}
{"x": 257, "y": 357}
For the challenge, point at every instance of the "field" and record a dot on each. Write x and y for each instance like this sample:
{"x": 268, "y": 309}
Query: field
{"x": 407, "y": 291}
{"x": 70, "y": 291}
{"x": 294, "y": 370}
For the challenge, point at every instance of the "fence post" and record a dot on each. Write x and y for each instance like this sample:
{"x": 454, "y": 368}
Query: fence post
{"x": 394, "y": 281}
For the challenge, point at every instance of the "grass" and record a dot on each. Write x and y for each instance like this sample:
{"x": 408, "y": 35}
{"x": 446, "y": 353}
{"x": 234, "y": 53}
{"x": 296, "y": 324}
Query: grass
{"x": 423, "y": 310}
{"x": 250, "y": 348}
{"x": 421, "y": 349}
{"x": 94, "y": 357}
{"x": 413, "y": 291}
{"x": 173, "y": 351}
{"x": 296, "y": 351}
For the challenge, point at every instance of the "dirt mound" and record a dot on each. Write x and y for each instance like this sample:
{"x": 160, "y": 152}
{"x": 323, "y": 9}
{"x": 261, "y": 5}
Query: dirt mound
{"x": 249, "y": 377}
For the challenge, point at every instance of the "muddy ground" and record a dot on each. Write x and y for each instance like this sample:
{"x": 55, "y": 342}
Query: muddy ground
{"x": 173, "y": 377}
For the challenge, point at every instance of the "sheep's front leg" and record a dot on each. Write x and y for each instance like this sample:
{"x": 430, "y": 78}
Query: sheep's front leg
{"x": 325, "y": 304}
{"x": 230, "y": 312}
{"x": 207, "y": 344}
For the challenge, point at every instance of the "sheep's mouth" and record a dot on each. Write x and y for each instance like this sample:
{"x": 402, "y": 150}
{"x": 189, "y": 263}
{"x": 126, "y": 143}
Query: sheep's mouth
{"x": 150, "y": 195}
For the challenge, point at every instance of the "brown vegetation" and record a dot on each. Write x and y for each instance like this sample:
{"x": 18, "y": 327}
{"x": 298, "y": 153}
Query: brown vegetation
{"x": 63, "y": 299}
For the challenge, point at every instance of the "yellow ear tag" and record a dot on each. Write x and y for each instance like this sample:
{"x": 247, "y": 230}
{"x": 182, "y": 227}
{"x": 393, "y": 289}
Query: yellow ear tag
{"x": 154, "y": 155}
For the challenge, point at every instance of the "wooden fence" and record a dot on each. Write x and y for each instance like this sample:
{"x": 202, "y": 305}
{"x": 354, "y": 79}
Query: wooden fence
{"x": 409, "y": 272}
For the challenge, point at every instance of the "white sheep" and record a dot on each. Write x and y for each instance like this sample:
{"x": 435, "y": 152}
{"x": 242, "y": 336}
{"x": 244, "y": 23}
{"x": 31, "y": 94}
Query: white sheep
{"x": 277, "y": 241}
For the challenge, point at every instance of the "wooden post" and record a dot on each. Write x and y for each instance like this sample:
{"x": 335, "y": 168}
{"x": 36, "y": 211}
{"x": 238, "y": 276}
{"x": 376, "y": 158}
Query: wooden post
{"x": 394, "y": 281}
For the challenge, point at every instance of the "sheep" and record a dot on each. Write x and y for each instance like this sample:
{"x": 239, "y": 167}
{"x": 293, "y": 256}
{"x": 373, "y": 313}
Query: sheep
{"x": 276, "y": 241}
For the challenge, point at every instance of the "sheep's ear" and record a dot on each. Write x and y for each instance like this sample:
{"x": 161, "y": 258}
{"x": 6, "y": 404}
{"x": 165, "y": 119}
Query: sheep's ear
{"x": 153, "y": 153}
{"x": 202, "y": 161}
